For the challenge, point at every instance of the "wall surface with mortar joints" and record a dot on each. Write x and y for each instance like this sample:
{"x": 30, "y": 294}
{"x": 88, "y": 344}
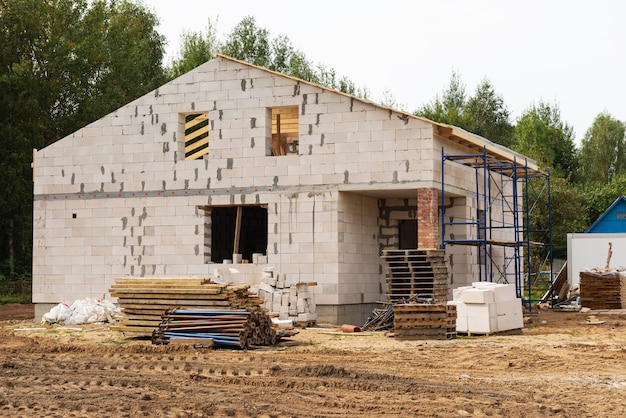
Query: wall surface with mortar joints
{"x": 136, "y": 197}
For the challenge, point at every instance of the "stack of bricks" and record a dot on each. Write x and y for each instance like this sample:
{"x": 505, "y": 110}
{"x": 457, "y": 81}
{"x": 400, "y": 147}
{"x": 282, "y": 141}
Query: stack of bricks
{"x": 288, "y": 301}
{"x": 602, "y": 289}
{"x": 427, "y": 220}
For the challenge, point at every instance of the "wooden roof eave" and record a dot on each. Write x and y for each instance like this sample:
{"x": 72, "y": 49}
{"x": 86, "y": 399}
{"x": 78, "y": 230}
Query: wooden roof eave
{"x": 493, "y": 151}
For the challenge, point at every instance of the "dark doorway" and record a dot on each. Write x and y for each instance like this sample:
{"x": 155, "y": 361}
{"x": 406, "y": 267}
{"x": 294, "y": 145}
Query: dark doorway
{"x": 252, "y": 237}
{"x": 407, "y": 234}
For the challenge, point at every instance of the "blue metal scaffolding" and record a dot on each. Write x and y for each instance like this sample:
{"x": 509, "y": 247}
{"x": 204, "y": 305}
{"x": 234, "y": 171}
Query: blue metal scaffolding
{"x": 506, "y": 194}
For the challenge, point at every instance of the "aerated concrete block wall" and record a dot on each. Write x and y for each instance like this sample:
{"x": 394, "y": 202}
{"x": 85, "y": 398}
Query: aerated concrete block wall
{"x": 117, "y": 198}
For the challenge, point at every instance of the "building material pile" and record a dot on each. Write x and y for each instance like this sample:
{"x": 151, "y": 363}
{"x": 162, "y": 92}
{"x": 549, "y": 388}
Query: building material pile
{"x": 603, "y": 289}
{"x": 418, "y": 321}
{"x": 487, "y": 307}
{"x": 288, "y": 301}
{"x": 416, "y": 272}
{"x": 144, "y": 300}
{"x": 234, "y": 328}
{"x": 381, "y": 319}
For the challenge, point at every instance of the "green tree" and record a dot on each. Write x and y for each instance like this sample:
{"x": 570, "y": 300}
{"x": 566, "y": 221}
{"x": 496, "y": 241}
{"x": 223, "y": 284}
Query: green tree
{"x": 599, "y": 197}
{"x": 251, "y": 43}
{"x": 603, "y": 151}
{"x": 63, "y": 64}
{"x": 541, "y": 135}
{"x": 568, "y": 208}
{"x": 485, "y": 114}
{"x": 197, "y": 48}
{"x": 449, "y": 107}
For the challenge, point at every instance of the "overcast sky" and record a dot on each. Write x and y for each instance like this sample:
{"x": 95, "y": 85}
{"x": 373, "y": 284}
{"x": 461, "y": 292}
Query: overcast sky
{"x": 572, "y": 53}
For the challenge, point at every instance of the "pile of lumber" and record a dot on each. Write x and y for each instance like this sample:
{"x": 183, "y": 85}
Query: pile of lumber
{"x": 144, "y": 300}
{"x": 424, "y": 321}
{"x": 239, "y": 329}
{"x": 602, "y": 289}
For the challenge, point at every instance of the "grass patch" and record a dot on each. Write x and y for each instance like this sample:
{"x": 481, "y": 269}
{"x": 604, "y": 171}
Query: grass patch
{"x": 15, "y": 298}
{"x": 117, "y": 340}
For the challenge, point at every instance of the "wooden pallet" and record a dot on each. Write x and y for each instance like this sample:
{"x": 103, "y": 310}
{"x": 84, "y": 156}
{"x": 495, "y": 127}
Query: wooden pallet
{"x": 416, "y": 272}
{"x": 424, "y": 321}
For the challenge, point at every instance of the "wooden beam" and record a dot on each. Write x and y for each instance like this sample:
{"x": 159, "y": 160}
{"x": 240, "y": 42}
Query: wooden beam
{"x": 237, "y": 230}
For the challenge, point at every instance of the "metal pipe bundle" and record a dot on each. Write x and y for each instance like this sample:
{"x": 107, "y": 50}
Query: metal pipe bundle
{"x": 233, "y": 328}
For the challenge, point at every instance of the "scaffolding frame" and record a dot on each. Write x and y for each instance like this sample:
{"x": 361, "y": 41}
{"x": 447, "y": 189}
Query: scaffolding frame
{"x": 519, "y": 190}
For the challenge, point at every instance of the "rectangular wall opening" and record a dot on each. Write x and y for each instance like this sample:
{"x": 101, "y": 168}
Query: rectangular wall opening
{"x": 196, "y": 143}
{"x": 236, "y": 229}
{"x": 285, "y": 130}
{"x": 407, "y": 234}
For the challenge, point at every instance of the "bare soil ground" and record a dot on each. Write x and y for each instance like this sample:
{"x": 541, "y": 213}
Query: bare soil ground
{"x": 557, "y": 366}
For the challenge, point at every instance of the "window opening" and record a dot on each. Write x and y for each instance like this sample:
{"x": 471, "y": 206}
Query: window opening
{"x": 285, "y": 130}
{"x": 196, "y": 136}
{"x": 252, "y": 233}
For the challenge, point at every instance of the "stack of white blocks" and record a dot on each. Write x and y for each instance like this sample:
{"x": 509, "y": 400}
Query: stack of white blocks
{"x": 487, "y": 307}
{"x": 291, "y": 301}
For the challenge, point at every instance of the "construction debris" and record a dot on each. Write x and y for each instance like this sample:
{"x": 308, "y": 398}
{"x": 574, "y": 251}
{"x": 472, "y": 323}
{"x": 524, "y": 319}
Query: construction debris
{"x": 382, "y": 319}
{"x": 288, "y": 301}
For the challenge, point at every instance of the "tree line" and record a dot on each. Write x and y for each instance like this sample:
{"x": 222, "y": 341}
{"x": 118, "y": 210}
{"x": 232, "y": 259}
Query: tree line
{"x": 66, "y": 63}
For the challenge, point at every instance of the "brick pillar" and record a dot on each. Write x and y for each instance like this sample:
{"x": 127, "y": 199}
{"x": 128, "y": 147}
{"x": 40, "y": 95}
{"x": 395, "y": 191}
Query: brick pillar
{"x": 427, "y": 218}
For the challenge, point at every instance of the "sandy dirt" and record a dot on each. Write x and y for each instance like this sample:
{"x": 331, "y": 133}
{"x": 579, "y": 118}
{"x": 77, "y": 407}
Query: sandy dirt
{"x": 557, "y": 366}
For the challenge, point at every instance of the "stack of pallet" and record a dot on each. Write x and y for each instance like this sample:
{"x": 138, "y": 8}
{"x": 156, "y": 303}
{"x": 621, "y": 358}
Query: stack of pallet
{"x": 416, "y": 272}
{"x": 424, "y": 321}
{"x": 603, "y": 289}
{"x": 144, "y": 300}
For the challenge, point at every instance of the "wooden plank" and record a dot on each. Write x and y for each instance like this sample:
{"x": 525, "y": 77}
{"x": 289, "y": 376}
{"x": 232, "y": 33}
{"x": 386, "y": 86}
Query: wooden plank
{"x": 237, "y": 230}
{"x": 168, "y": 302}
{"x": 172, "y": 295}
{"x": 163, "y": 307}
{"x": 169, "y": 291}
{"x": 165, "y": 280}
{"x": 141, "y": 323}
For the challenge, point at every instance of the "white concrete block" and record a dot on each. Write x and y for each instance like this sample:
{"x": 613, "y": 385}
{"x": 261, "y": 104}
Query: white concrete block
{"x": 307, "y": 317}
{"x": 266, "y": 287}
{"x": 476, "y": 310}
{"x": 482, "y": 324}
{"x": 504, "y": 292}
{"x": 456, "y": 293}
{"x": 508, "y": 322}
{"x": 478, "y": 296}
{"x": 509, "y": 307}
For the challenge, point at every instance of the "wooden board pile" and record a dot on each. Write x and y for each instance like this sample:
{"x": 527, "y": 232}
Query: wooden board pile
{"x": 239, "y": 329}
{"x": 144, "y": 300}
{"x": 424, "y": 321}
{"x": 416, "y": 272}
{"x": 602, "y": 289}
